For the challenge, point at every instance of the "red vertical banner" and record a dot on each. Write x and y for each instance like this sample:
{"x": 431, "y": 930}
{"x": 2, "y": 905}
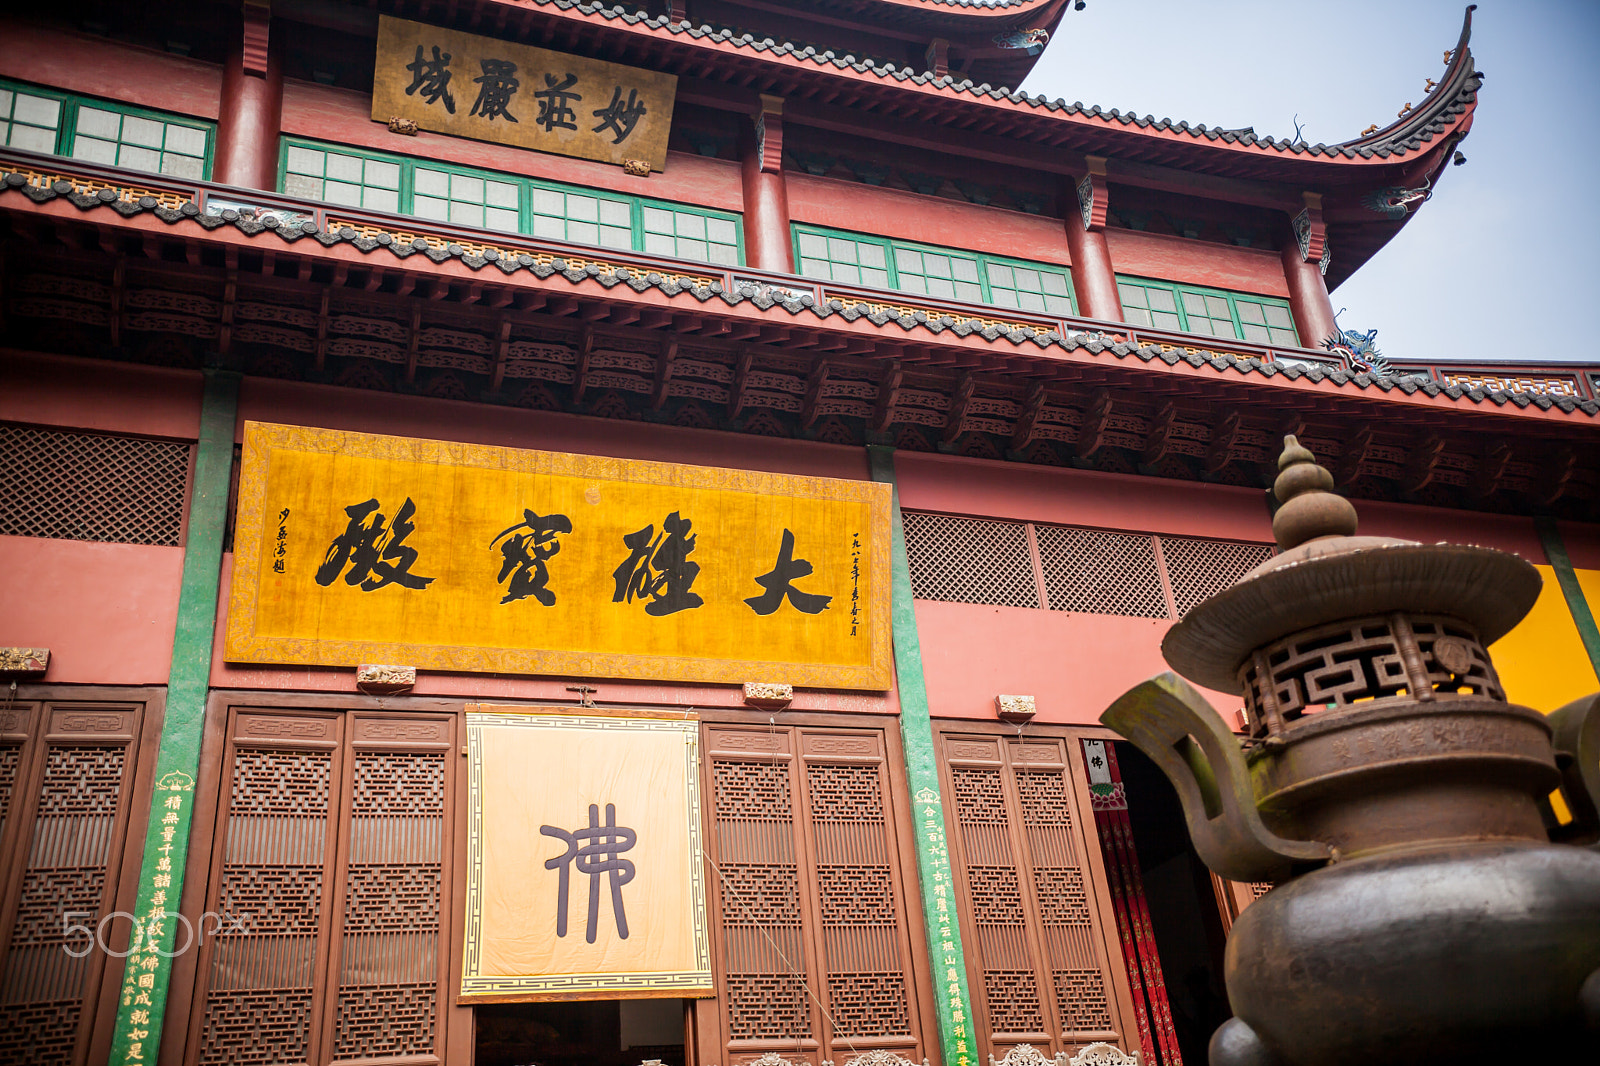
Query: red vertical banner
{"x": 1109, "y": 799}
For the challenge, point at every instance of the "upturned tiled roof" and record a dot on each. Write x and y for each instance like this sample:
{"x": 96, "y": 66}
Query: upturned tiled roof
{"x": 1440, "y": 111}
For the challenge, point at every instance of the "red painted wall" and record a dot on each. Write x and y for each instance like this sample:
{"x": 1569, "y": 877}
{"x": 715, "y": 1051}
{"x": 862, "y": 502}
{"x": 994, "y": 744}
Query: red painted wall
{"x": 344, "y": 116}
{"x": 1073, "y": 665}
{"x": 106, "y": 611}
{"x": 1076, "y": 664}
{"x": 883, "y": 212}
{"x": 110, "y": 397}
{"x": 1221, "y": 266}
{"x": 98, "y": 67}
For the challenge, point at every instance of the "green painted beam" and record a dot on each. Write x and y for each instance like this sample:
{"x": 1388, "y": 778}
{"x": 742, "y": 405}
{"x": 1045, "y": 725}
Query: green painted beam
{"x": 149, "y": 963}
{"x": 939, "y": 913}
{"x": 1555, "y": 550}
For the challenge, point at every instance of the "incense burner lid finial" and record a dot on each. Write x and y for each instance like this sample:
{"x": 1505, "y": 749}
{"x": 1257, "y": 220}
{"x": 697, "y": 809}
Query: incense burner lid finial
{"x": 1308, "y": 507}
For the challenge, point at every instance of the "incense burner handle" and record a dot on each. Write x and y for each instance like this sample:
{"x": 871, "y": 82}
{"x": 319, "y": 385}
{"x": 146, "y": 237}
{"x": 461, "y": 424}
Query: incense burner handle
{"x": 1577, "y": 743}
{"x": 1167, "y": 719}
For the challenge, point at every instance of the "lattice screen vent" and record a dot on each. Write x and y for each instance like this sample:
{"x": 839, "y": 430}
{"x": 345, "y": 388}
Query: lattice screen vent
{"x": 83, "y": 486}
{"x": 1096, "y": 572}
{"x": 1202, "y": 568}
{"x": 966, "y": 560}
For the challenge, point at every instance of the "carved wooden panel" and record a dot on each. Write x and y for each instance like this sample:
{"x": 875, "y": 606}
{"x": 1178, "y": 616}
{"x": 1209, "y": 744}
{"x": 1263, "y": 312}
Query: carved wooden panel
{"x": 814, "y": 949}
{"x": 64, "y": 798}
{"x": 1036, "y": 956}
{"x": 335, "y": 848}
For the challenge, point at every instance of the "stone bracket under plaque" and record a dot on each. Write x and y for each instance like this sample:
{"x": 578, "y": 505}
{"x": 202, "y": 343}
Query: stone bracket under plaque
{"x": 24, "y": 662}
{"x": 376, "y": 679}
{"x": 767, "y": 696}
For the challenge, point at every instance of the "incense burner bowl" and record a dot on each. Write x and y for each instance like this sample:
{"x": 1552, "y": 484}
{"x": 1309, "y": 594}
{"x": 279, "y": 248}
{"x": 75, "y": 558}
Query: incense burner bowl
{"x": 1399, "y": 803}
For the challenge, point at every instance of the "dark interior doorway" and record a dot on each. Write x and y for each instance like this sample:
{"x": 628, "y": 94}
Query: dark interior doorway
{"x": 594, "y": 1033}
{"x": 1183, "y": 905}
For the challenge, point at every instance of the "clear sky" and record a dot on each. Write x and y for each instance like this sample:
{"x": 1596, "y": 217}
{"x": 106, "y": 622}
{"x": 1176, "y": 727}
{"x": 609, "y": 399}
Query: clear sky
{"x": 1504, "y": 261}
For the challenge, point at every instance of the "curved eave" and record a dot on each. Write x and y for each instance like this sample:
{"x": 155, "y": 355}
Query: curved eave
{"x": 965, "y": 14}
{"x": 919, "y": 98}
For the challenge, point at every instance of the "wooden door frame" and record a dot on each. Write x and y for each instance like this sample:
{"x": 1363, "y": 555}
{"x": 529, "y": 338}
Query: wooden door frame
{"x": 1115, "y": 974}
{"x": 710, "y": 1015}
{"x": 124, "y": 854}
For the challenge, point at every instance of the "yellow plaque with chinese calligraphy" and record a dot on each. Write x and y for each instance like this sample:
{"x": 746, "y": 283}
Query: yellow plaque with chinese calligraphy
{"x": 353, "y": 548}
{"x": 585, "y": 869}
{"x": 491, "y": 90}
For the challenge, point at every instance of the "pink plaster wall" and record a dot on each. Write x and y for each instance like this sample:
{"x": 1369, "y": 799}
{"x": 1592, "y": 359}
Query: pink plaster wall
{"x": 1222, "y": 266}
{"x": 98, "y": 67}
{"x": 1073, "y": 665}
{"x": 1076, "y": 664}
{"x": 849, "y": 205}
{"x": 344, "y": 116}
{"x": 1582, "y": 540}
{"x": 61, "y": 390}
{"x": 107, "y": 612}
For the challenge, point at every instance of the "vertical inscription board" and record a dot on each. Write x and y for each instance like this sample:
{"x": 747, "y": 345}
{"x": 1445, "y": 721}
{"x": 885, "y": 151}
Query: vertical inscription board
{"x": 353, "y": 548}
{"x": 491, "y": 90}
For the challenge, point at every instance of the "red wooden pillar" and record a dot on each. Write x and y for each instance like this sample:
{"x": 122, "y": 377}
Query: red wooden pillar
{"x": 1303, "y": 264}
{"x": 251, "y": 112}
{"x": 1094, "y": 282}
{"x": 766, "y": 196}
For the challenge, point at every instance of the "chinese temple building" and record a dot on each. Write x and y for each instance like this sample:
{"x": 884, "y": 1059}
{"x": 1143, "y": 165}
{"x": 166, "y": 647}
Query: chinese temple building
{"x": 549, "y": 533}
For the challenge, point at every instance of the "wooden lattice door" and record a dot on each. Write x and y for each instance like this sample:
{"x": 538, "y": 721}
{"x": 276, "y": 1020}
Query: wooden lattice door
{"x": 67, "y": 780}
{"x": 329, "y": 874}
{"x": 1035, "y": 916}
{"x": 816, "y": 958}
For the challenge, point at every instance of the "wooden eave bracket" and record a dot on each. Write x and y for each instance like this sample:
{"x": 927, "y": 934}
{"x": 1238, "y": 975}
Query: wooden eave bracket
{"x": 257, "y": 26}
{"x": 1092, "y": 199}
{"x": 769, "y": 133}
{"x": 1309, "y": 229}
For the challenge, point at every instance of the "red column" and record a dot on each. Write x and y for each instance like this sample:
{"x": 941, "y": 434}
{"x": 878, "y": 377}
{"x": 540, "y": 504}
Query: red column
{"x": 1302, "y": 270}
{"x": 1308, "y": 299}
{"x": 251, "y": 112}
{"x": 766, "y": 196}
{"x": 1094, "y": 282}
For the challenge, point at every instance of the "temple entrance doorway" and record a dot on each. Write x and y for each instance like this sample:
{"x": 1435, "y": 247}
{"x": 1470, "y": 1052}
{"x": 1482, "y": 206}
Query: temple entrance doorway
{"x": 1184, "y": 915}
{"x": 589, "y": 1033}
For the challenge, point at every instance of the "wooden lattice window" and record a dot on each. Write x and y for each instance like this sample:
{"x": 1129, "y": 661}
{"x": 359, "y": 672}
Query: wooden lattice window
{"x": 91, "y": 486}
{"x": 66, "y": 780}
{"x": 1034, "y": 922}
{"x": 811, "y": 891}
{"x": 331, "y": 840}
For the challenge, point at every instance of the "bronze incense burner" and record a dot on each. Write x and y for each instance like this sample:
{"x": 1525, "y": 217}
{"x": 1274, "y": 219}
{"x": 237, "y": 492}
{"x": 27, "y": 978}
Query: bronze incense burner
{"x": 1422, "y": 912}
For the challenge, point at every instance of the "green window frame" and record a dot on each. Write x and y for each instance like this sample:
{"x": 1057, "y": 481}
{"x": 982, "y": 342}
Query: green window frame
{"x": 488, "y": 199}
{"x": 927, "y": 270}
{"x": 104, "y": 131}
{"x": 1209, "y": 312}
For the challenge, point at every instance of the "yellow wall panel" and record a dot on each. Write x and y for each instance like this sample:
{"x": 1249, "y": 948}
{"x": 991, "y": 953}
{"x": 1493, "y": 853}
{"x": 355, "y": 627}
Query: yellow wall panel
{"x": 1542, "y": 662}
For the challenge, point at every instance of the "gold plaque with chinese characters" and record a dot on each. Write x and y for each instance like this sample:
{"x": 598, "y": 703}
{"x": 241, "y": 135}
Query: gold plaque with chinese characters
{"x": 491, "y": 90}
{"x": 355, "y": 548}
